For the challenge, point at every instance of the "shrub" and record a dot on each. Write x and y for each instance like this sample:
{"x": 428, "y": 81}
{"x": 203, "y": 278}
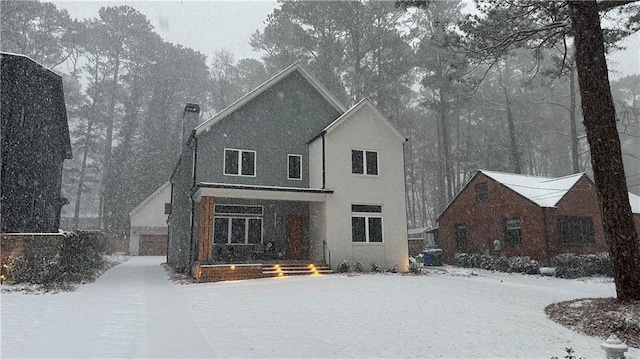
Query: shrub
{"x": 524, "y": 265}
{"x": 31, "y": 269}
{"x": 344, "y": 267}
{"x": 569, "y": 265}
{"x": 414, "y": 268}
{"x": 501, "y": 264}
{"x": 358, "y": 267}
{"x": 392, "y": 269}
{"x": 82, "y": 254}
{"x": 57, "y": 259}
{"x": 375, "y": 268}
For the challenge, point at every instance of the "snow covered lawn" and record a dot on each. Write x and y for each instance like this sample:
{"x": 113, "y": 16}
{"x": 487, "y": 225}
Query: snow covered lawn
{"x": 133, "y": 310}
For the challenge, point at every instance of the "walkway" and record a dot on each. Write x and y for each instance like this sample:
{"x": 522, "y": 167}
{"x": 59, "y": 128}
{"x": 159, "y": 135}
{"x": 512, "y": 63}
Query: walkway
{"x": 130, "y": 311}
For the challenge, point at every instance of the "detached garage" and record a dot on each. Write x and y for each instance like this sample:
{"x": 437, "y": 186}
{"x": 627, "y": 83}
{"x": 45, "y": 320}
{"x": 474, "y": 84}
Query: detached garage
{"x": 148, "y": 231}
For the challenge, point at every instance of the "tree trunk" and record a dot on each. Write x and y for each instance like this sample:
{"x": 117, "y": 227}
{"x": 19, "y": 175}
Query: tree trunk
{"x": 86, "y": 149}
{"x": 106, "y": 173}
{"x": 606, "y": 156}
{"x": 572, "y": 119}
{"x": 446, "y": 147}
{"x": 514, "y": 154}
{"x": 83, "y": 168}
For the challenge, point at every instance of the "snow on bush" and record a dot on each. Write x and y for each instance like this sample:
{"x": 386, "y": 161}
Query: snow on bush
{"x": 569, "y": 265}
{"x": 72, "y": 258}
{"x": 502, "y": 264}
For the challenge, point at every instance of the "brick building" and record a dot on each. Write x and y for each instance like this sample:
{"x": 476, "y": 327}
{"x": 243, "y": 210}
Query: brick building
{"x": 516, "y": 215}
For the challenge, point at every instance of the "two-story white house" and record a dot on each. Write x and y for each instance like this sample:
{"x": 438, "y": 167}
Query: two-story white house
{"x": 286, "y": 173}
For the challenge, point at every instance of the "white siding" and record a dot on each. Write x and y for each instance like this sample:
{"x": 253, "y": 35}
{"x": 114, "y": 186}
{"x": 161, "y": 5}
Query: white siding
{"x": 365, "y": 128}
{"x": 149, "y": 218}
{"x": 315, "y": 163}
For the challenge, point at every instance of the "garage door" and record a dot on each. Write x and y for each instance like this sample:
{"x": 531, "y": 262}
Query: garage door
{"x": 153, "y": 245}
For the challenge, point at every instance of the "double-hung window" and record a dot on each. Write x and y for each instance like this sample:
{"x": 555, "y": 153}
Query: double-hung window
{"x": 366, "y": 223}
{"x": 236, "y": 224}
{"x": 574, "y": 229}
{"x": 294, "y": 167}
{"x": 364, "y": 162}
{"x": 239, "y": 162}
{"x": 461, "y": 235}
{"x": 482, "y": 192}
{"x": 512, "y": 231}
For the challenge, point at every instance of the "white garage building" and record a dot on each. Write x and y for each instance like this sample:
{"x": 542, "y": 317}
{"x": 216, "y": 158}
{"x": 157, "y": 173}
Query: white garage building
{"x": 148, "y": 231}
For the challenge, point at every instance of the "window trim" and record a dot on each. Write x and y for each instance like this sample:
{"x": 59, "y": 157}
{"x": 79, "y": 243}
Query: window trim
{"x": 240, "y": 152}
{"x": 289, "y": 156}
{"x": 561, "y": 238}
{"x": 507, "y": 241}
{"x": 246, "y": 229}
{"x": 483, "y": 195}
{"x": 456, "y": 227}
{"x": 367, "y": 216}
{"x": 215, "y": 212}
{"x": 229, "y": 216}
{"x": 364, "y": 162}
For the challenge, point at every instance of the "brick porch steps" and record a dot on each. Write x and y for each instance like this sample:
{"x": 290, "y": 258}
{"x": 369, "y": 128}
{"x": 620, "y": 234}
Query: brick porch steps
{"x": 280, "y": 270}
{"x": 226, "y": 272}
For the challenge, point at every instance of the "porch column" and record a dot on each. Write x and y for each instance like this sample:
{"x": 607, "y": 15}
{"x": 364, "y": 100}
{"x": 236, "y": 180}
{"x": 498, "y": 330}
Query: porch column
{"x": 205, "y": 235}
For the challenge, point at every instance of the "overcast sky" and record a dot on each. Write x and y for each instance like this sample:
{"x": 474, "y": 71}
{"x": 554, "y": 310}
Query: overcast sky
{"x": 207, "y": 26}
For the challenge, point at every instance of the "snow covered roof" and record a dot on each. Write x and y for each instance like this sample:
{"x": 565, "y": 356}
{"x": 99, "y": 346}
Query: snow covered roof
{"x": 543, "y": 191}
{"x": 267, "y": 85}
{"x": 420, "y": 230}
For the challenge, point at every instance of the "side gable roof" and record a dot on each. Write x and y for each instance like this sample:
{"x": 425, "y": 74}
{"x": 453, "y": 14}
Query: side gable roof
{"x": 267, "y": 85}
{"x": 363, "y": 103}
{"x": 543, "y": 191}
{"x": 151, "y": 196}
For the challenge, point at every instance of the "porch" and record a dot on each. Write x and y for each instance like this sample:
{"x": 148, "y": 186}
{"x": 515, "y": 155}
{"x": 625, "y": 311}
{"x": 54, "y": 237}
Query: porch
{"x": 243, "y": 232}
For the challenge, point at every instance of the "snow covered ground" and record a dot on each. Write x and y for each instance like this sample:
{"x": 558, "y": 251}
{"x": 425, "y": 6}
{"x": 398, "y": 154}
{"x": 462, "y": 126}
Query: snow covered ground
{"x": 133, "y": 310}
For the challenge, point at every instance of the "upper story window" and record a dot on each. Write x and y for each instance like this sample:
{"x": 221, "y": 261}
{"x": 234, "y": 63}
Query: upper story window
{"x": 239, "y": 162}
{"x": 512, "y": 231}
{"x": 573, "y": 229}
{"x": 366, "y": 223}
{"x": 461, "y": 235}
{"x": 364, "y": 162}
{"x": 294, "y": 167}
{"x": 482, "y": 192}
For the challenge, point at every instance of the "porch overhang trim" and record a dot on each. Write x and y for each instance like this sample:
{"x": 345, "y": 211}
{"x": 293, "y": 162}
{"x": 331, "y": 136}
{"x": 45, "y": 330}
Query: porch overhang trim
{"x": 274, "y": 193}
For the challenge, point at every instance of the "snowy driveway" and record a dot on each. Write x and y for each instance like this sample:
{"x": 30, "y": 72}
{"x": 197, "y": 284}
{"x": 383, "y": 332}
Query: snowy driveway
{"x": 134, "y": 311}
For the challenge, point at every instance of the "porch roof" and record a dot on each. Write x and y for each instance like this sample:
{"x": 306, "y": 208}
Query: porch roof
{"x": 274, "y": 193}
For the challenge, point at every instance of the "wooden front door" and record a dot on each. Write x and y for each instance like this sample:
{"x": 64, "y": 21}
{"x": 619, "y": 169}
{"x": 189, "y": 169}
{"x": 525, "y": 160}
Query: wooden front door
{"x": 295, "y": 233}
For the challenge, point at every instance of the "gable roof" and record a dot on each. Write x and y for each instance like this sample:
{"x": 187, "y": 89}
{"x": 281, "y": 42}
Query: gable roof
{"x": 151, "y": 196}
{"x": 363, "y": 103}
{"x": 269, "y": 84}
{"x": 543, "y": 191}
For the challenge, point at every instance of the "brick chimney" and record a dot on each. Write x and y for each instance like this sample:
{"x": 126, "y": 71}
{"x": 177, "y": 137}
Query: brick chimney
{"x": 190, "y": 119}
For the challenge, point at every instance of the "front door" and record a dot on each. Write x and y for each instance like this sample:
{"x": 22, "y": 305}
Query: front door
{"x": 294, "y": 236}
